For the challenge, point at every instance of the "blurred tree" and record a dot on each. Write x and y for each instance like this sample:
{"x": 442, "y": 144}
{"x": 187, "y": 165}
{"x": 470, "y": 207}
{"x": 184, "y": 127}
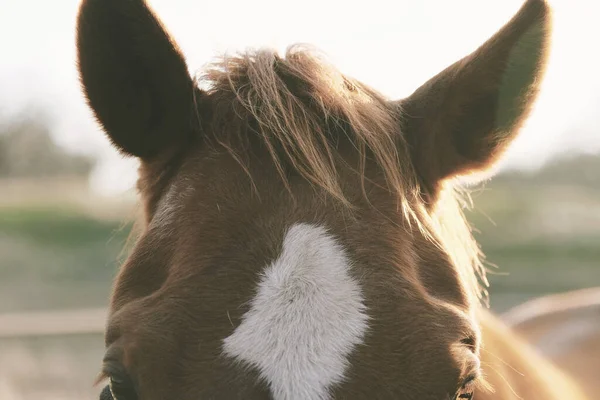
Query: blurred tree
{"x": 28, "y": 151}
{"x": 574, "y": 169}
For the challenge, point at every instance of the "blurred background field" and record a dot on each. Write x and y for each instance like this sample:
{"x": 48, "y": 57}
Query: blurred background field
{"x": 64, "y": 216}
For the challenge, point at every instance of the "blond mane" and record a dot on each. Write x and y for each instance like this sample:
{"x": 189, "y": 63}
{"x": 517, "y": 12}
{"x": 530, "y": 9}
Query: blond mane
{"x": 293, "y": 98}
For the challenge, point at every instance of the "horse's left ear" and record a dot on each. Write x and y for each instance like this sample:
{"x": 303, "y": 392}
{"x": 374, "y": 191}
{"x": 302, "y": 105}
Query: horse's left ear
{"x": 462, "y": 120}
{"x": 134, "y": 76}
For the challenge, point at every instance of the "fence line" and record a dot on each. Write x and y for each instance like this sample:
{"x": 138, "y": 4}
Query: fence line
{"x": 50, "y": 323}
{"x": 93, "y": 320}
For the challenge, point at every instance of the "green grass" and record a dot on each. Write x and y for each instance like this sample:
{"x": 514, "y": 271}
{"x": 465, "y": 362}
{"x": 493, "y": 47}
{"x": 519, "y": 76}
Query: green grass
{"x": 56, "y": 258}
{"x": 57, "y": 227}
{"x": 521, "y": 226}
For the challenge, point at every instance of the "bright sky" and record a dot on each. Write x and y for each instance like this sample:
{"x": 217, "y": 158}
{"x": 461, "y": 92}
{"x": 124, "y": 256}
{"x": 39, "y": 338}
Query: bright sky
{"x": 392, "y": 45}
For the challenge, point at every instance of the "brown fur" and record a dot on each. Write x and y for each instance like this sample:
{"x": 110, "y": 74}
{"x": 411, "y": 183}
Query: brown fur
{"x": 276, "y": 141}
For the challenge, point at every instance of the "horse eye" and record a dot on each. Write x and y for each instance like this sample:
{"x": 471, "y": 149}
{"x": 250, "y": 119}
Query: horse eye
{"x": 466, "y": 389}
{"x": 106, "y": 394}
{"x": 465, "y": 395}
{"x": 121, "y": 388}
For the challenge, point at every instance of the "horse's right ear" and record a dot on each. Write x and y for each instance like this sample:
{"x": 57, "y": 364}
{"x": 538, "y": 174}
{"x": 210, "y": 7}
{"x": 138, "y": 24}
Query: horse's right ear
{"x": 134, "y": 77}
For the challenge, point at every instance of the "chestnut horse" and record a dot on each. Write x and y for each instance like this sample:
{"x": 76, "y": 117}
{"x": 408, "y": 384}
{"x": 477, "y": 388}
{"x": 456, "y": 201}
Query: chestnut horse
{"x": 303, "y": 236}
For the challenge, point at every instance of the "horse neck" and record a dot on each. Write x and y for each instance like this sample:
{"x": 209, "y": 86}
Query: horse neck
{"x": 516, "y": 371}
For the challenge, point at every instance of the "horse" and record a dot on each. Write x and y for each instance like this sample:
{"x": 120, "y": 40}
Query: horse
{"x": 303, "y": 235}
{"x": 564, "y": 327}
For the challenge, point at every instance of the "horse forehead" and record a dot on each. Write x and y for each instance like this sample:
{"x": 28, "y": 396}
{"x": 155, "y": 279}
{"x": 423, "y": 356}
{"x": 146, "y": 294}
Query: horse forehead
{"x": 171, "y": 202}
{"x": 306, "y": 318}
